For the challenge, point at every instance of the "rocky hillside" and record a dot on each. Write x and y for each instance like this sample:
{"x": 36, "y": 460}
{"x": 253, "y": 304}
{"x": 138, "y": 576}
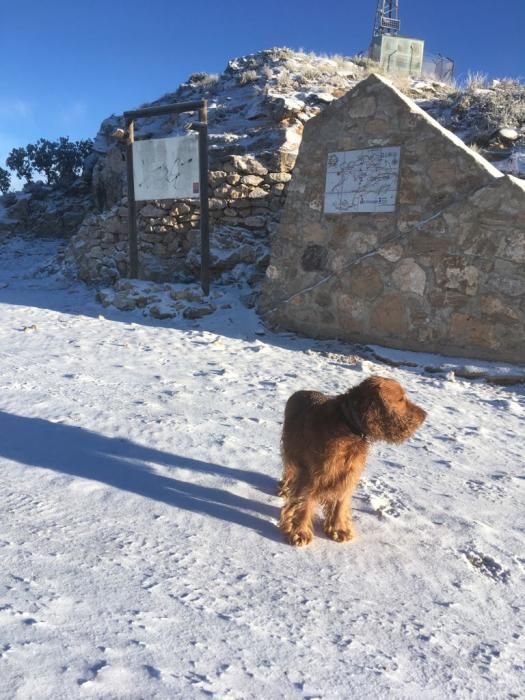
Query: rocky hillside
{"x": 257, "y": 110}
{"x": 260, "y": 102}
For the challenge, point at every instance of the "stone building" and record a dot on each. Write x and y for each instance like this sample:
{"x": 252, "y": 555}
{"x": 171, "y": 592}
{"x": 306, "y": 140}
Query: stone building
{"x": 396, "y": 233}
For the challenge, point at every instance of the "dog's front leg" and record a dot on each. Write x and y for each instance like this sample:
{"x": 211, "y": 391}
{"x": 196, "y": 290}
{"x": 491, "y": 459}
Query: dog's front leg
{"x": 338, "y": 519}
{"x": 296, "y": 520}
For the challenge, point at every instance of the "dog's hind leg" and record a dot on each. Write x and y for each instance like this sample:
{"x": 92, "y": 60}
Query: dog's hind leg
{"x": 296, "y": 520}
{"x": 282, "y": 488}
{"x": 285, "y": 485}
{"x": 338, "y": 522}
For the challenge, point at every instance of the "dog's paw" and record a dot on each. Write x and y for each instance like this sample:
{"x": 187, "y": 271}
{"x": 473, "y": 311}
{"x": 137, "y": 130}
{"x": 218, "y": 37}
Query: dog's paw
{"x": 340, "y": 534}
{"x": 300, "y": 538}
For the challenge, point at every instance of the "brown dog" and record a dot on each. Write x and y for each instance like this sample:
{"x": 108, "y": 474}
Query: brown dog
{"x": 324, "y": 447}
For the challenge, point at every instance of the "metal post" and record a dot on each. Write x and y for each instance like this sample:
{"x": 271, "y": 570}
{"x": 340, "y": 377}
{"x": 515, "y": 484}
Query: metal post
{"x": 132, "y": 218}
{"x": 204, "y": 214}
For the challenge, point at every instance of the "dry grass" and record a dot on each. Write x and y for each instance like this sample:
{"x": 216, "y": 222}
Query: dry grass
{"x": 285, "y": 80}
{"x": 476, "y": 81}
{"x": 311, "y": 73}
{"x": 248, "y": 76}
{"x": 279, "y": 53}
{"x": 267, "y": 72}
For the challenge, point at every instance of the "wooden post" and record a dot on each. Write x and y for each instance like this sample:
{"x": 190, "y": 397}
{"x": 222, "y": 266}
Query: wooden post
{"x": 205, "y": 212}
{"x": 202, "y": 127}
{"x": 133, "y": 271}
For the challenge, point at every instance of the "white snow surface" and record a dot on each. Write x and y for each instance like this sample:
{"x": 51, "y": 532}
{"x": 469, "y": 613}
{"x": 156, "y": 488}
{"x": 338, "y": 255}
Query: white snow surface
{"x": 138, "y": 540}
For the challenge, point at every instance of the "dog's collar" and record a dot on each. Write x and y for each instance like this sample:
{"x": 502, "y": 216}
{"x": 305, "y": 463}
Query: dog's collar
{"x": 352, "y": 419}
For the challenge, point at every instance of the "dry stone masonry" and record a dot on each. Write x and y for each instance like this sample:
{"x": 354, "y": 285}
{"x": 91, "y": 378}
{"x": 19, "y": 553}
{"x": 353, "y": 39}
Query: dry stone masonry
{"x": 396, "y": 233}
{"x": 245, "y": 196}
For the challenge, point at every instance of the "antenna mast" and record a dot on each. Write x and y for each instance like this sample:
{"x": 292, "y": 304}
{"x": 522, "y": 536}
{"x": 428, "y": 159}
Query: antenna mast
{"x": 386, "y": 20}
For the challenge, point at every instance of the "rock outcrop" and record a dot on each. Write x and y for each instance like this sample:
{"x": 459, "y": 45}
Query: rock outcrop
{"x": 43, "y": 210}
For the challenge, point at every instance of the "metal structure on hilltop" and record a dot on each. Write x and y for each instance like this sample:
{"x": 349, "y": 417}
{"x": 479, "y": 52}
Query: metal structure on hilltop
{"x": 395, "y": 54}
{"x": 401, "y": 55}
{"x": 386, "y": 19}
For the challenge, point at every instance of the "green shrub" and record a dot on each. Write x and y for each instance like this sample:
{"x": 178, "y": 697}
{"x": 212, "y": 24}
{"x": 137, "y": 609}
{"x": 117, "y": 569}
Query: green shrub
{"x": 18, "y": 161}
{"x": 59, "y": 161}
{"x": 5, "y": 181}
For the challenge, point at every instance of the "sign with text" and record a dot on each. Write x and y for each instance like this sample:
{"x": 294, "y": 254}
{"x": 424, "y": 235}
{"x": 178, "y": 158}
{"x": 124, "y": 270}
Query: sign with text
{"x": 363, "y": 180}
{"x": 166, "y": 168}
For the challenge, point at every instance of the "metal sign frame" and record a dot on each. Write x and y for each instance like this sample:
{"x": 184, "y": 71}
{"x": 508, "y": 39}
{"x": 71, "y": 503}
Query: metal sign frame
{"x": 200, "y": 106}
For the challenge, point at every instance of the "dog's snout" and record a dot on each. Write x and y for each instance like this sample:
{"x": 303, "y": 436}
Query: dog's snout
{"x": 419, "y": 413}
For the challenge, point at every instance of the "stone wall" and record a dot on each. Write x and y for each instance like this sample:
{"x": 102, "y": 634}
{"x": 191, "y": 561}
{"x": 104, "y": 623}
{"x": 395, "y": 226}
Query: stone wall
{"x": 246, "y": 194}
{"x": 444, "y": 272}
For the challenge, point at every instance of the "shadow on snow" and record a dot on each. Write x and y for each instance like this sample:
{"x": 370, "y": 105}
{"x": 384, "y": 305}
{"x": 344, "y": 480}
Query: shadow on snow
{"x": 122, "y": 464}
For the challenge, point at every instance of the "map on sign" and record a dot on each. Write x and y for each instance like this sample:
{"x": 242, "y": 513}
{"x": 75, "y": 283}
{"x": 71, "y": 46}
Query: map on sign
{"x": 166, "y": 168}
{"x": 362, "y": 181}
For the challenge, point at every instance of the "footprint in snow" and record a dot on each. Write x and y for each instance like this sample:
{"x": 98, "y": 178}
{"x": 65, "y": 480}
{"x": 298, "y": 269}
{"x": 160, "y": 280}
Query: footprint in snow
{"x": 394, "y": 465}
{"x": 152, "y": 671}
{"x": 92, "y": 671}
{"x": 484, "y": 654}
{"x": 267, "y": 384}
{"x": 500, "y": 476}
{"x": 444, "y": 462}
{"x": 503, "y": 404}
{"x": 477, "y": 486}
{"x": 383, "y": 499}
{"x": 487, "y": 566}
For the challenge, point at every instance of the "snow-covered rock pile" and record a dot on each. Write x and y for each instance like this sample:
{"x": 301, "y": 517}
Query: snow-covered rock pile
{"x": 256, "y": 106}
{"x": 46, "y": 210}
{"x": 160, "y": 301}
{"x": 490, "y": 118}
{"x": 238, "y": 257}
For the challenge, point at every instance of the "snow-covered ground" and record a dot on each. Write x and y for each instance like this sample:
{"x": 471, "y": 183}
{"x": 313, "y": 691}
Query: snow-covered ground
{"x": 139, "y": 551}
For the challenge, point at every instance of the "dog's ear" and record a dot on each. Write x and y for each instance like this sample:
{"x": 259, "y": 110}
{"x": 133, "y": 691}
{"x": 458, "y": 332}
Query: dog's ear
{"x": 367, "y": 401}
{"x": 386, "y": 413}
{"x": 368, "y": 392}
{"x": 382, "y": 392}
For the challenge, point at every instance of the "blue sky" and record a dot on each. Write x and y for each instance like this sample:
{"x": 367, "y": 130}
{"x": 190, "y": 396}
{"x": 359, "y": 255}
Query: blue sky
{"x": 67, "y": 64}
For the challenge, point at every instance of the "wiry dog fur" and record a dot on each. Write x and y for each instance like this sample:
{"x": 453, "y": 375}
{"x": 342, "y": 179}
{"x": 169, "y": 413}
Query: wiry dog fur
{"x": 324, "y": 447}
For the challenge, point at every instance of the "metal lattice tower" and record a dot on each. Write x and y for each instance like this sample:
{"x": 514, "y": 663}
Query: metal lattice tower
{"x": 387, "y": 19}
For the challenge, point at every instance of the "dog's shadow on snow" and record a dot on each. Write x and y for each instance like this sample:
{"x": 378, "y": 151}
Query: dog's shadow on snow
{"x": 128, "y": 466}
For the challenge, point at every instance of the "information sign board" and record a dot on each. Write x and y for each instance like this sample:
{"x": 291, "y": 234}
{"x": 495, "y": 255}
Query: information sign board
{"x": 166, "y": 168}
